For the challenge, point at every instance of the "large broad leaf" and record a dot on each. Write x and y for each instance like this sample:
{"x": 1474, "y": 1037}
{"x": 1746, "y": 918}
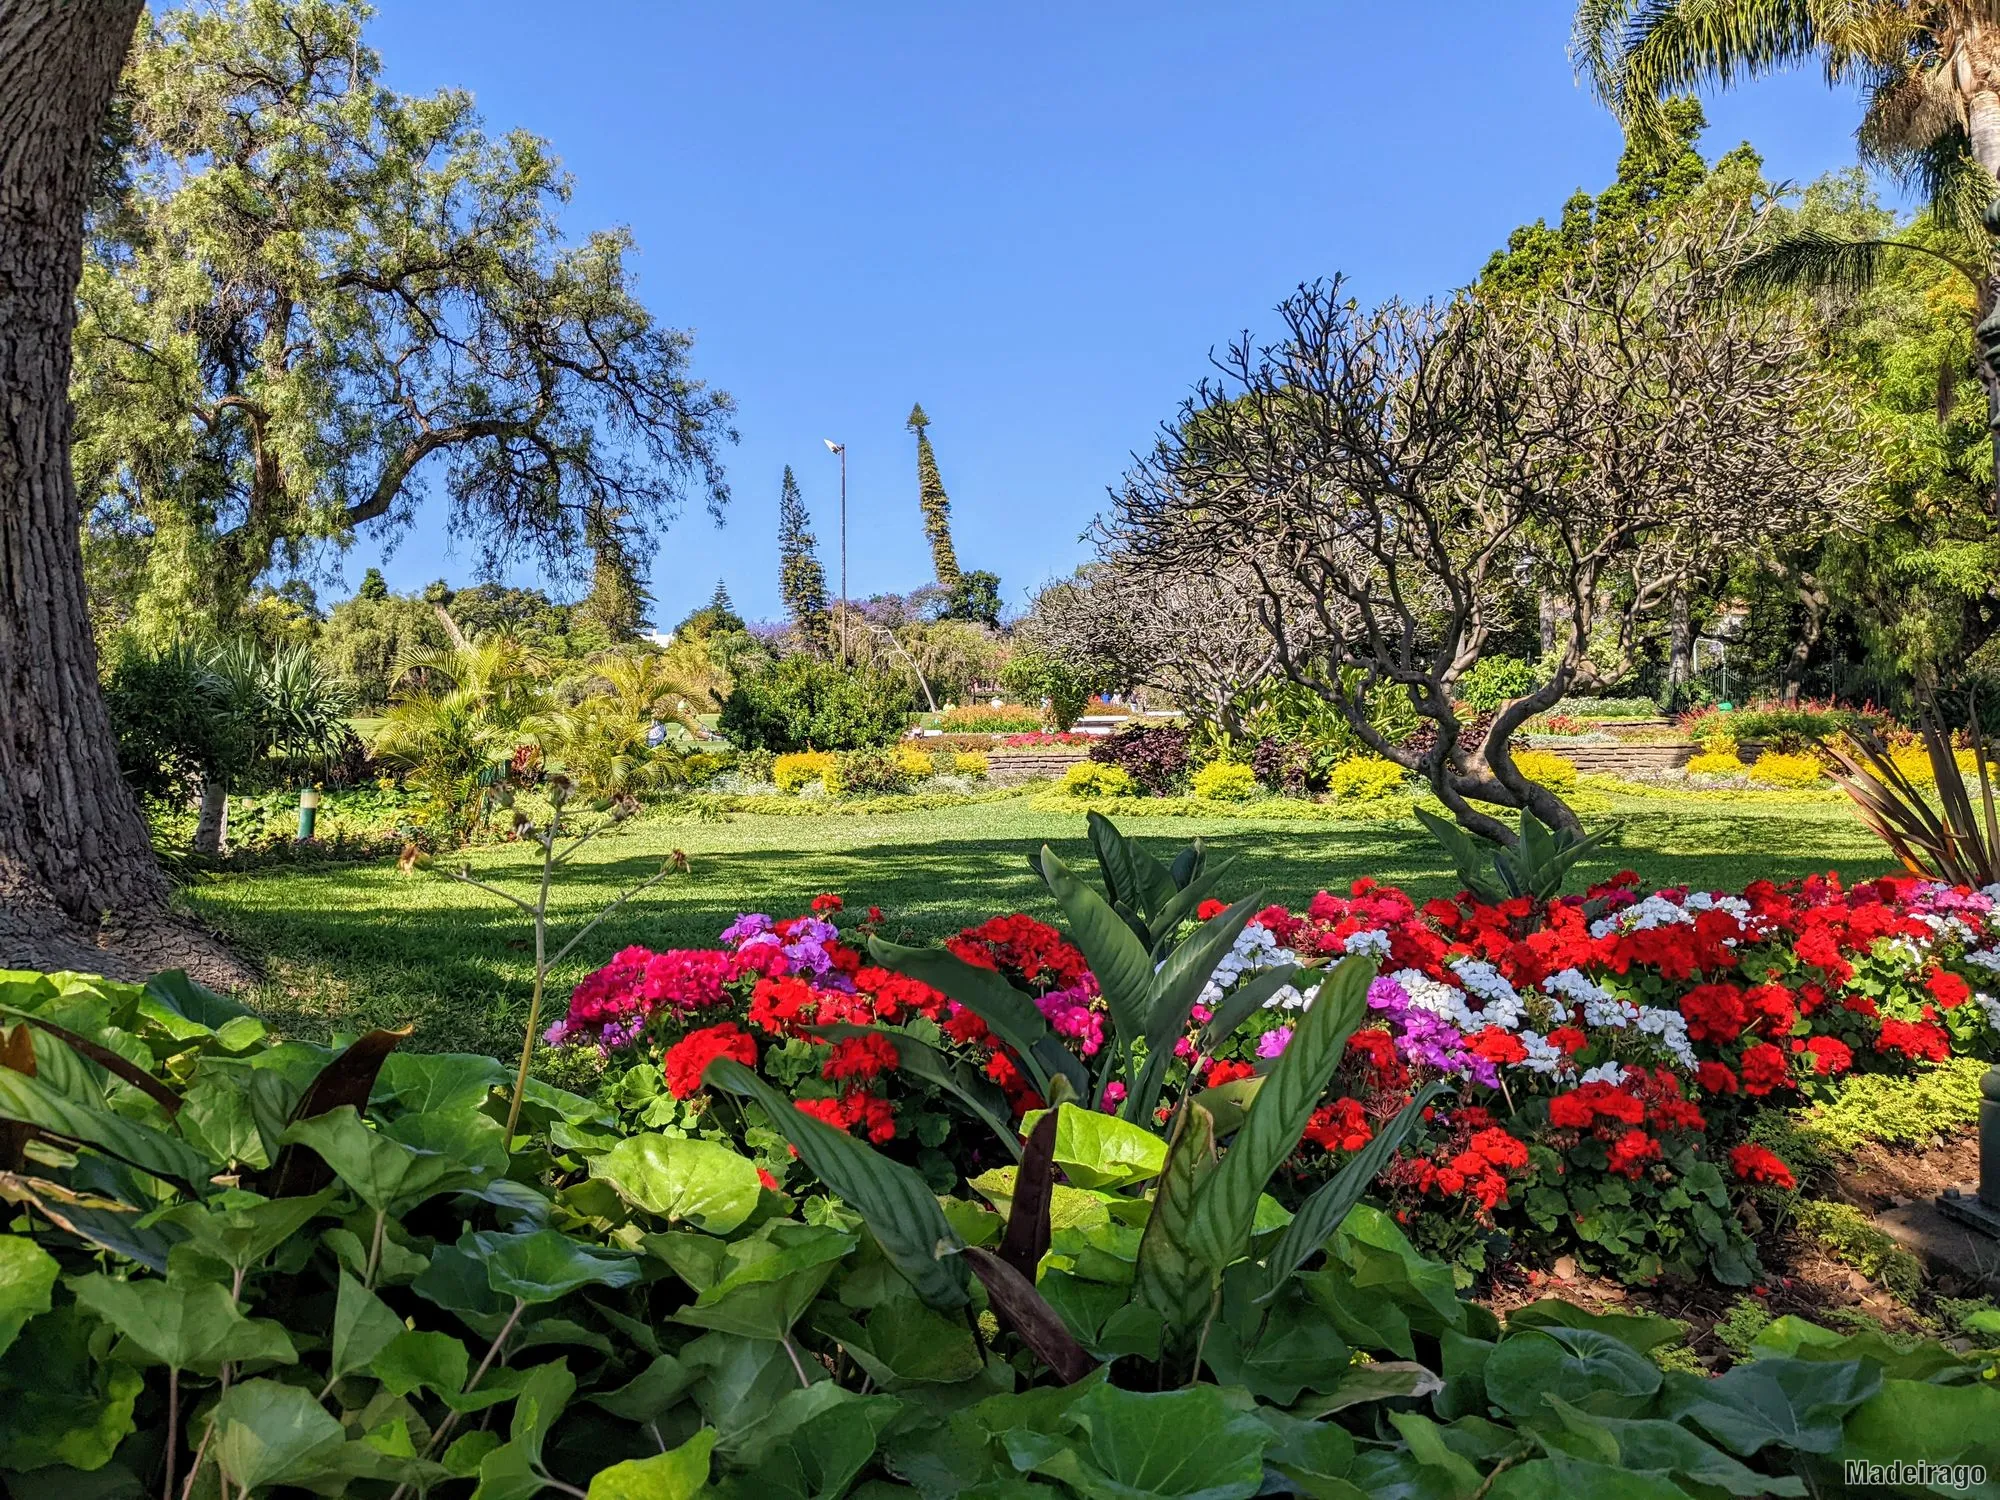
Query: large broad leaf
{"x": 547, "y": 1265}
{"x": 1219, "y": 1230}
{"x": 1029, "y": 1224}
{"x": 899, "y": 1206}
{"x": 821, "y": 1457}
{"x": 1119, "y": 960}
{"x": 1644, "y": 1332}
{"x": 1321, "y": 1214}
{"x": 1590, "y": 1370}
{"x": 240, "y": 1229}
{"x": 756, "y": 1287}
{"x": 906, "y": 1343}
{"x": 58, "y": 1405}
{"x": 27, "y": 1277}
{"x": 1169, "y": 1277}
{"x": 678, "y": 1474}
{"x": 1795, "y": 1403}
{"x": 189, "y": 1325}
{"x": 1041, "y": 1326}
{"x": 1959, "y": 1424}
{"x": 1100, "y": 1151}
{"x": 33, "y": 1102}
{"x": 363, "y": 1326}
{"x": 387, "y": 1174}
{"x": 172, "y": 996}
{"x": 1133, "y": 879}
{"x": 682, "y": 1180}
{"x": 966, "y": 1083}
{"x": 1008, "y": 1014}
{"x": 1192, "y": 1444}
{"x": 437, "y": 1082}
{"x": 1171, "y": 999}
{"x": 345, "y": 1082}
{"x": 268, "y": 1434}
{"x": 1667, "y": 1448}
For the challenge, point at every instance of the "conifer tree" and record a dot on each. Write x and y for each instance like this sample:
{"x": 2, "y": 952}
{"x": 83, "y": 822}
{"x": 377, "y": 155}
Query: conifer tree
{"x": 373, "y": 585}
{"x": 801, "y": 579}
{"x": 936, "y": 504}
{"x": 618, "y": 601}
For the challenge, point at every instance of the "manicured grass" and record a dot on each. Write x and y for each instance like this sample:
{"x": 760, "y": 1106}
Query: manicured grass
{"x": 354, "y": 946}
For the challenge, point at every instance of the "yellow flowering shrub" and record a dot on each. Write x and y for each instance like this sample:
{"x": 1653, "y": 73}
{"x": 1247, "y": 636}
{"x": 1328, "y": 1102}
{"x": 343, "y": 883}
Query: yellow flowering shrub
{"x": 1089, "y": 779}
{"x": 1224, "y": 782}
{"x": 792, "y": 772}
{"x": 1364, "y": 778}
{"x": 1556, "y": 772}
{"x": 970, "y": 763}
{"x": 1781, "y": 769}
{"x": 914, "y": 761}
{"x": 1715, "y": 763}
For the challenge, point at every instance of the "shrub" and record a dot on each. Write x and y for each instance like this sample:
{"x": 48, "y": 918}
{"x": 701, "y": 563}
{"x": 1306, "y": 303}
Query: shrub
{"x": 1495, "y": 681}
{"x": 980, "y": 718}
{"x": 792, "y": 772}
{"x": 1714, "y": 761}
{"x": 1225, "y": 781}
{"x": 1155, "y": 756}
{"x": 1031, "y": 674}
{"x": 1556, "y": 772}
{"x": 754, "y": 765}
{"x": 916, "y": 762}
{"x": 1781, "y": 768}
{"x": 803, "y": 704}
{"x": 1088, "y": 778}
{"x": 1365, "y": 778}
{"x": 970, "y": 763}
{"x": 869, "y": 773}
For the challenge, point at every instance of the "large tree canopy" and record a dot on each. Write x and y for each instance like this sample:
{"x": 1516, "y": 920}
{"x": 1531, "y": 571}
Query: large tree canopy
{"x": 310, "y": 300}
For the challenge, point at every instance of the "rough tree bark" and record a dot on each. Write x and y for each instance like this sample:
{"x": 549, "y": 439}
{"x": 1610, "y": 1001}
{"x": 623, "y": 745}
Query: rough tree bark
{"x": 74, "y": 852}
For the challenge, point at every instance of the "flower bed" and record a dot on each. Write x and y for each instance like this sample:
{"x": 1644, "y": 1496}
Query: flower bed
{"x": 1608, "y": 1052}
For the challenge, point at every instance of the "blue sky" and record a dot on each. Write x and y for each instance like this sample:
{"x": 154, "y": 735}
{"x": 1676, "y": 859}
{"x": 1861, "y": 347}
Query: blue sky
{"x": 1035, "y": 218}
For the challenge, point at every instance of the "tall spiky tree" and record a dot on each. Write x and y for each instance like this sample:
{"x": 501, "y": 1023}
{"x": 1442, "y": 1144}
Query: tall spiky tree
{"x": 801, "y": 579}
{"x": 936, "y": 504}
{"x": 1930, "y": 70}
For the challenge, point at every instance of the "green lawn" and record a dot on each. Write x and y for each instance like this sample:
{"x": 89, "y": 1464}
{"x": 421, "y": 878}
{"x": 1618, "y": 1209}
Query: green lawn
{"x": 354, "y": 946}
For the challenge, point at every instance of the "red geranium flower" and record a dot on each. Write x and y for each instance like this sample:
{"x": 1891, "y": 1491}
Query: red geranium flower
{"x": 827, "y": 902}
{"x": 1714, "y": 1078}
{"x": 1754, "y": 1163}
{"x": 1631, "y": 1151}
{"x": 1948, "y": 989}
{"x": 1764, "y": 1069}
{"x": 689, "y": 1058}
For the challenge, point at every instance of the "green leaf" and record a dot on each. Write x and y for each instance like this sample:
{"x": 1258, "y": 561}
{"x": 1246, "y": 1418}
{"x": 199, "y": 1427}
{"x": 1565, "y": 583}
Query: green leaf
{"x": 906, "y": 1343}
{"x": 548, "y": 1265}
{"x": 218, "y": 1119}
{"x": 27, "y": 1277}
{"x": 58, "y": 1405}
{"x": 1245, "y": 999}
{"x": 1170, "y": 1002}
{"x": 1178, "y": 1445}
{"x": 1381, "y": 1380}
{"x": 35, "y": 1103}
{"x": 1796, "y": 1403}
{"x": 1641, "y": 1332}
{"x": 901, "y": 1210}
{"x": 1366, "y": 1319}
{"x": 1219, "y": 1230}
{"x": 268, "y": 1434}
{"x": 172, "y": 991}
{"x": 1100, "y": 1151}
{"x": 188, "y": 1326}
{"x": 678, "y": 1474}
{"x": 363, "y": 1326}
{"x": 1947, "y": 1424}
{"x": 437, "y": 1082}
{"x": 417, "y": 1360}
{"x": 821, "y": 1457}
{"x": 1667, "y": 1448}
{"x": 1132, "y": 877}
{"x": 1118, "y": 959}
{"x": 1276, "y": 1359}
{"x": 1324, "y": 1211}
{"x": 1591, "y": 1370}
{"x": 544, "y": 1393}
{"x": 387, "y": 1174}
{"x": 240, "y": 1229}
{"x": 1168, "y": 1278}
{"x": 682, "y": 1180}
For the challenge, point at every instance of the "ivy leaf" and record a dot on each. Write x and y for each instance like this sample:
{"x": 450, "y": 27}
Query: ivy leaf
{"x": 901, "y": 1210}
{"x": 27, "y": 1277}
{"x": 678, "y": 1474}
{"x": 548, "y": 1265}
{"x": 188, "y": 1326}
{"x": 682, "y": 1179}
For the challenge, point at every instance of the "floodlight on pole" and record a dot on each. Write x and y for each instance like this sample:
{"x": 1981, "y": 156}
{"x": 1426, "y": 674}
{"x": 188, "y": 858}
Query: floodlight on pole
{"x": 840, "y": 450}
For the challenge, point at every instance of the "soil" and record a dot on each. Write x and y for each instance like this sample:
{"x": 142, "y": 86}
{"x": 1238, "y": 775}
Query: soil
{"x": 1801, "y": 1279}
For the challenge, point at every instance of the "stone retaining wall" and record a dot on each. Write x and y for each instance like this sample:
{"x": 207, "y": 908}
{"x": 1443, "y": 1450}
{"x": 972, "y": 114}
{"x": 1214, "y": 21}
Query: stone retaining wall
{"x": 1629, "y": 760}
{"x": 1012, "y": 767}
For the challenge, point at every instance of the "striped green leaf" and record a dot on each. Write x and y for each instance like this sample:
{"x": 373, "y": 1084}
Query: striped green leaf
{"x": 34, "y": 1103}
{"x": 1117, "y": 957}
{"x": 1171, "y": 1280}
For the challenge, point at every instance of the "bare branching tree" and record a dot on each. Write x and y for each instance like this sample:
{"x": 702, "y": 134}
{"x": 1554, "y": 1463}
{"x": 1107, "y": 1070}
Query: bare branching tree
{"x": 1392, "y": 478}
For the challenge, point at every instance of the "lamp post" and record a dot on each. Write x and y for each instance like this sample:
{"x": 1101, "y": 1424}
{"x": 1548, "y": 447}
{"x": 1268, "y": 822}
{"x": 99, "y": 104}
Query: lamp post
{"x": 841, "y": 450}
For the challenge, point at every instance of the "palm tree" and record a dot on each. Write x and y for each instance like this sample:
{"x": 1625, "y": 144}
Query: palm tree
{"x": 1930, "y": 70}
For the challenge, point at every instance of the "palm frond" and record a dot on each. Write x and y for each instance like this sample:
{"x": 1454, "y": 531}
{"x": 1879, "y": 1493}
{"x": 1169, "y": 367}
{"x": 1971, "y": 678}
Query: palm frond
{"x": 1637, "y": 53}
{"x": 1810, "y": 260}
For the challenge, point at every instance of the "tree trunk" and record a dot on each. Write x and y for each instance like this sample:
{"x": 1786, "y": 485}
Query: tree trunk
{"x": 211, "y": 829}
{"x": 73, "y": 847}
{"x": 1680, "y": 645}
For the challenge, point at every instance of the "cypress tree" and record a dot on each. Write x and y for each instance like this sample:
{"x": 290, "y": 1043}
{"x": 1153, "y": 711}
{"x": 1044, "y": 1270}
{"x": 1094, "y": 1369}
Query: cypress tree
{"x": 936, "y": 504}
{"x": 373, "y": 585}
{"x": 801, "y": 579}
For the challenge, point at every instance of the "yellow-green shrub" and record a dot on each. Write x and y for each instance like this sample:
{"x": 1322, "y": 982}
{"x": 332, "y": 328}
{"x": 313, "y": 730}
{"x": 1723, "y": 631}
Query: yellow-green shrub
{"x": 1363, "y": 778}
{"x": 1714, "y": 763}
{"x": 791, "y": 772}
{"x": 1089, "y": 779}
{"x": 1782, "y": 769}
{"x": 970, "y": 763}
{"x": 1556, "y": 772}
{"x": 1225, "y": 782}
{"x": 869, "y": 773}
{"x": 914, "y": 761}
